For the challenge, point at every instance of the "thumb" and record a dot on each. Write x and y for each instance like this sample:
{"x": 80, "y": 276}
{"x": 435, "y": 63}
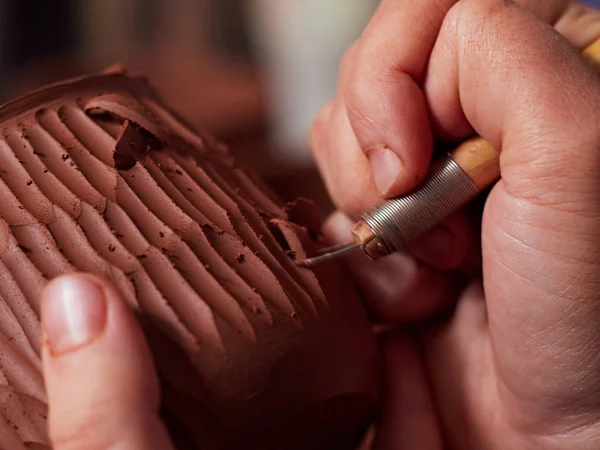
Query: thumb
{"x": 101, "y": 383}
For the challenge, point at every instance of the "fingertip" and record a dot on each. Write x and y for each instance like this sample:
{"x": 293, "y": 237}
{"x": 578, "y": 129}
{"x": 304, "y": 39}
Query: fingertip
{"x": 447, "y": 246}
{"x": 77, "y": 308}
{"x": 338, "y": 228}
{"x": 396, "y": 289}
{"x": 73, "y": 313}
{"x": 97, "y": 362}
{"x": 322, "y": 117}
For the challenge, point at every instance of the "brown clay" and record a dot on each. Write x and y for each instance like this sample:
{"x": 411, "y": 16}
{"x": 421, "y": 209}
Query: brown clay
{"x": 97, "y": 175}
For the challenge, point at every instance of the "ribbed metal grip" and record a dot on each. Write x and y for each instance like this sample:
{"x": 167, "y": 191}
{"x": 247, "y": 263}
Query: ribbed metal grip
{"x": 399, "y": 221}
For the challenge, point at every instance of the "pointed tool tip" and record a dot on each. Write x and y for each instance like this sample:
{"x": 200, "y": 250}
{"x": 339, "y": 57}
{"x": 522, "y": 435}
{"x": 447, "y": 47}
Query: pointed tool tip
{"x": 327, "y": 254}
{"x": 304, "y": 263}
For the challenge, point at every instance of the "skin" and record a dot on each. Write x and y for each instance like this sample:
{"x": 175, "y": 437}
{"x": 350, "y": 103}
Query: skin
{"x": 512, "y": 359}
{"x": 105, "y": 374}
{"x": 503, "y": 354}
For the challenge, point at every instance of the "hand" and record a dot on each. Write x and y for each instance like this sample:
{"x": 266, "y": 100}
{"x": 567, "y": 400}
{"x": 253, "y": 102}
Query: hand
{"x": 101, "y": 383}
{"x": 513, "y": 360}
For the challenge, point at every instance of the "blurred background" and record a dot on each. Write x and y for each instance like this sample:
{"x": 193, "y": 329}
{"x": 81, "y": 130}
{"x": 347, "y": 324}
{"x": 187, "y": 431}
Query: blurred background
{"x": 252, "y": 72}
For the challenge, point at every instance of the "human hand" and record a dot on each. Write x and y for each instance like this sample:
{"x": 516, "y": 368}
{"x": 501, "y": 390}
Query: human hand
{"x": 100, "y": 379}
{"x": 516, "y": 363}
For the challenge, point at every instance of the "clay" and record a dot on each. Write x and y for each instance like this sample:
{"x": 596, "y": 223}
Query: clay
{"x": 97, "y": 175}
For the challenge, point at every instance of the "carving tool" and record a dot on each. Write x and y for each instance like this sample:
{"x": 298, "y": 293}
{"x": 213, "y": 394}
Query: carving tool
{"x": 453, "y": 181}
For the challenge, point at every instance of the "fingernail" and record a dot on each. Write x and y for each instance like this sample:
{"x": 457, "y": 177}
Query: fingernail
{"x": 438, "y": 242}
{"x": 385, "y": 167}
{"x": 73, "y": 313}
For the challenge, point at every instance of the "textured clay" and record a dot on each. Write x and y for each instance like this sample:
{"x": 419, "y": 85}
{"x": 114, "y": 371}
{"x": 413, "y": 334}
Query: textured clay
{"x": 97, "y": 175}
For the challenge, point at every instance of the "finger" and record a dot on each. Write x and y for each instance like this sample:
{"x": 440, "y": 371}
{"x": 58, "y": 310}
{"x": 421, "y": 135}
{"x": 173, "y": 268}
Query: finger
{"x": 385, "y": 104}
{"x": 459, "y": 363}
{"x": 397, "y": 288}
{"x": 320, "y": 125}
{"x": 447, "y": 246}
{"x": 473, "y": 98}
{"x": 334, "y": 145}
{"x": 408, "y": 418}
{"x": 549, "y": 11}
{"x": 318, "y": 140}
{"x": 343, "y": 165}
{"x": 580, "y": 24}
{"x": 540, "y": 241}
{"x": 101, "y": 383}
{"x": 368, "y": 440}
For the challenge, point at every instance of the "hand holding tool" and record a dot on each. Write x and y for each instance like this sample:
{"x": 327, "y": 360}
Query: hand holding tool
{"x": 453, "y": 181}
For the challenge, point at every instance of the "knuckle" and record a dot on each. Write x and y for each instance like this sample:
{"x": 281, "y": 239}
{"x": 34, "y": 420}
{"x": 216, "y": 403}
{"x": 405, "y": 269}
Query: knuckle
{"x": 359, "y": 81}
{"x": 347, "y": 63}
{"x": 477, "y": 17}
{"x": 358, "y": 102}
{"x": 319, "y": 127}
{"x": 486, "y": 8}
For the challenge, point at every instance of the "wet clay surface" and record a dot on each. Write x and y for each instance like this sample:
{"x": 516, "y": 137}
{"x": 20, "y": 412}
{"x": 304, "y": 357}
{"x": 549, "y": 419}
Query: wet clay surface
{"x": 97, "y": 175}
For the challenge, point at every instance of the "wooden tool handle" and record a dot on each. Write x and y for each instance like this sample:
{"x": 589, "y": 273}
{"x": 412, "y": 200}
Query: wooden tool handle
{"x": 592, "y": 54}
{"x": 480, "y": 161}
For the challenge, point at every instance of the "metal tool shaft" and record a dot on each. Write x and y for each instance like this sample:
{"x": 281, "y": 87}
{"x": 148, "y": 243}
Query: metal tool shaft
{"x": 397, "y": 222}
{"x": 453, "y": 181}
